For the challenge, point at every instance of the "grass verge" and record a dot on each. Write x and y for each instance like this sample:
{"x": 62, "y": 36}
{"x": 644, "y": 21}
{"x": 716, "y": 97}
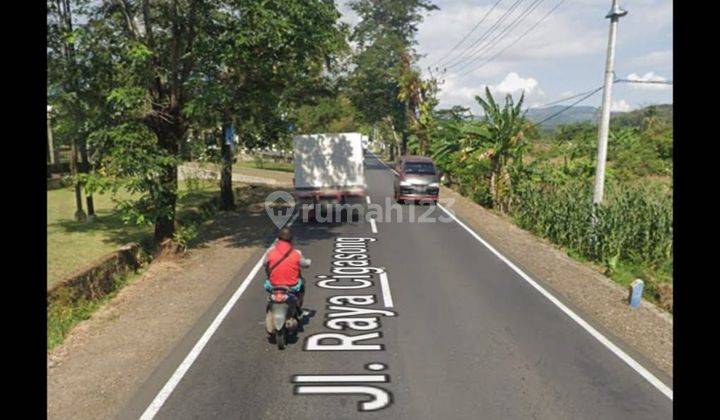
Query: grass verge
{"x": 62, "y": 315}
{"x": 197, "y": 205}
{"x": 72, "y": 245}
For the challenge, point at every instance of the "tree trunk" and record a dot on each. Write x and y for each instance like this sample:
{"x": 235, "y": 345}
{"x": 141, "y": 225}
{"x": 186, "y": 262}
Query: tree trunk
{"x": 79, "y": 213}
{"x": 227, "y": 198}
{"x": 169, "y": 137}
{"x": 85, "y": 168}
{"x": 403, "y": 147}
{"x": 494, "y": 173}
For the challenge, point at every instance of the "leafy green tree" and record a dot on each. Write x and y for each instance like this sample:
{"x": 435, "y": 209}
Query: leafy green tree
{"x": 385, "y": 38}
{"x": 174, "y": 66}
{"x": 69, "y": 91}
{"x": 504, "y": 135}
{"x": 419, "y": 98}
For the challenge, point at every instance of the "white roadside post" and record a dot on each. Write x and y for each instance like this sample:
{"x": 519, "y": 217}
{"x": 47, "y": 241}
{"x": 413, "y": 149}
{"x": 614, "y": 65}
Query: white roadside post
{"x": 636, "y": 292}
{"x": 614, "y": 15}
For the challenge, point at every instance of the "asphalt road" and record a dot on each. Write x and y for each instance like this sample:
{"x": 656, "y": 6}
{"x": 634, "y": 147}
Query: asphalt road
{"x": 466, "y": 337}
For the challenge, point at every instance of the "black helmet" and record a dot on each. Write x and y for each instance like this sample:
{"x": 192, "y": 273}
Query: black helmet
{"x": 285, "y": 234}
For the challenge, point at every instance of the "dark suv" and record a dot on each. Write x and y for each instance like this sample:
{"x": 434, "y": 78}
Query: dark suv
{"x": 417, "y": 179}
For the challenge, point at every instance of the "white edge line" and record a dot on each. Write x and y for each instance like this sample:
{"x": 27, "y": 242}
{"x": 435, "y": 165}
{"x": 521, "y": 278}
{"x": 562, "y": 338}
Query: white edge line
{"x": 381, "y": 161}
{"x": 177, "y": 376}
{"x": 166, "y": 390}
{"x": 385, "y": 286}
{"x": 595, "y": 333}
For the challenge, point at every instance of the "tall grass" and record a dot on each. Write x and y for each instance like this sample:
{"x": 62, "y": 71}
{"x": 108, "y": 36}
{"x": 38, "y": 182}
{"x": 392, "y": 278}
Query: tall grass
{"x": 634, "y": 225}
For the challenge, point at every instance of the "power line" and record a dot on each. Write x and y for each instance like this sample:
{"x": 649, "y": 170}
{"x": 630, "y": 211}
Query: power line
{"x": 564, "y": 99}
{"x": 468, "y": 34}
{"x": 492, "y": 28}
{"x": 499, "y": 37}
{"x": 518, "y": 39}
{"x": 478, "y": 45}
{"x": 656, "y": 82}
{"x": 570, "y": 106}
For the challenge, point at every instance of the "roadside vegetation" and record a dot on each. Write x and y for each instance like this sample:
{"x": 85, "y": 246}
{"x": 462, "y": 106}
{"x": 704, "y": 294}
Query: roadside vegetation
{"x": 544, "y": 181}
{"x": 137, "y": 88}
{"x": 73, "y": 244}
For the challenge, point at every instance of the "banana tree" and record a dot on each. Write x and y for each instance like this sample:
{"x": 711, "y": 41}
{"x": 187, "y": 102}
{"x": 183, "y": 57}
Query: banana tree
{"x": 503, "y": 134}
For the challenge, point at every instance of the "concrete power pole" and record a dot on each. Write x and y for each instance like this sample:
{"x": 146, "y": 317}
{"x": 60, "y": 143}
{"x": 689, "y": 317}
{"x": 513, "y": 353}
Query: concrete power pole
{"x": 614, "y": 15}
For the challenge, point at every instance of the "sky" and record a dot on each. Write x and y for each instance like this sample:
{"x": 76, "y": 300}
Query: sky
{"x": 564, "y": 55}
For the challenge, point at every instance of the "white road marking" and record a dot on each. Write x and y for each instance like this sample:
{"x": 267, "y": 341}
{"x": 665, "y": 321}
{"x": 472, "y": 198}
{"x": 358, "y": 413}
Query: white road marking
{"x": 367, "y": 199}
{"x": 373, "y": 225}
{"x": 386, "y": 165}
{"x": 339, "y": 378}
{"x": 575, "y": 317}
{"x": 166, "y": 390}
{"x": 385, "y": 286}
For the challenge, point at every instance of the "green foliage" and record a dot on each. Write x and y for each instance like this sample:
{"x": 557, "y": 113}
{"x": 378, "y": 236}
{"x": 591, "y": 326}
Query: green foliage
{"x": 184, "y": 234}
{"x": 635, "y": 225}
{"x": 549, "y": 178}
{"x": 383, "y": 86}
{"x": 329, "y": 115}
{"x": 135, "y": 77}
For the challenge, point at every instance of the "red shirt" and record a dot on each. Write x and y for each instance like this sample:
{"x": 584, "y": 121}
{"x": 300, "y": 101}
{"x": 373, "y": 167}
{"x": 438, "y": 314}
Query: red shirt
{"x": 287, "y": 272}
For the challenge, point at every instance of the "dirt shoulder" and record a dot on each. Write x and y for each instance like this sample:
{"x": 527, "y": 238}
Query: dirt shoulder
{"x": 106, "y": 358}
{"x": 647, "y": 330}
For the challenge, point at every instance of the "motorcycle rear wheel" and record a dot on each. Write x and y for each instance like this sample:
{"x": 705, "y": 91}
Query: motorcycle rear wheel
{"x": 280, "y": 339}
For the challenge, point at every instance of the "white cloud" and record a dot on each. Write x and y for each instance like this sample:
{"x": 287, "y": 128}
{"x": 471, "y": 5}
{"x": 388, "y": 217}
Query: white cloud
{"x": 462, "y": 91}
{"x": 620, "y": 106}
{"x": 648, "y": 77}
{"x": 514, "y": 83}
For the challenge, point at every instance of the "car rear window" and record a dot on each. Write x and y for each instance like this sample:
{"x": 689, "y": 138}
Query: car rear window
{"x": 425, "y": 168}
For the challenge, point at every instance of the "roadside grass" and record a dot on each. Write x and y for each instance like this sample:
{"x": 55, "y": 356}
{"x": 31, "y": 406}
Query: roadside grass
{"x": 62, "y": 316}
{"x": 266, "y": 164}
{"x": 71, "y": 244}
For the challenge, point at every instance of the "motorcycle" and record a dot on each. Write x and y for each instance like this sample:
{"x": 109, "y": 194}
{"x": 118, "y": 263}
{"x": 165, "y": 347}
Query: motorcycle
{"x": 281, "y": 314}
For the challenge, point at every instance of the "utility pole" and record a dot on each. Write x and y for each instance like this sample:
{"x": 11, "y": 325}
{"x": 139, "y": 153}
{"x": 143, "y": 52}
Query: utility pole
{"x": 614, "y": 15}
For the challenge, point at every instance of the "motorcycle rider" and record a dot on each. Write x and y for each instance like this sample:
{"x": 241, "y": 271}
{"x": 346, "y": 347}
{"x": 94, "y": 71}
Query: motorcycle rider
{"x": 282, "y": 267}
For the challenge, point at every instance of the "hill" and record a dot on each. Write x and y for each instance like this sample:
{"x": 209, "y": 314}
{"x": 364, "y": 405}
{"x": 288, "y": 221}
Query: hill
{"x": 590, "y": 114}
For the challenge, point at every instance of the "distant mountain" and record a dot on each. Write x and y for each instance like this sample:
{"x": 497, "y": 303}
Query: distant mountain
{"x": 662, "y": 112}
{"x": 590, "y": 114}
{"x": 572, "y": 115}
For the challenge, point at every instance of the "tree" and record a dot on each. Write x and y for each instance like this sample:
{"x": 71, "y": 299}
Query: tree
{"x": 66, "y": 91}
{"x": 503, "y": 133}
{"x": 261, "y": 59}
{"x": 201, "y": 64}
{"x": 385, "y": 37}
{"x": 418, "y": 96}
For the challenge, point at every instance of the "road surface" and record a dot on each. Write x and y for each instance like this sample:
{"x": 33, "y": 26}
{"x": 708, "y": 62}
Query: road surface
{"x": 451, "y": 331}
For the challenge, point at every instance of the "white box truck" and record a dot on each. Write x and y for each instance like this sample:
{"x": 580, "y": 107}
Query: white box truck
{"x": 329, "y": 170}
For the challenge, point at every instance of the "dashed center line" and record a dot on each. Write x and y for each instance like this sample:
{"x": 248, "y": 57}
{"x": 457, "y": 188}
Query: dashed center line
{"x": 385, "y": 286}
{"x": 373, "y": 224}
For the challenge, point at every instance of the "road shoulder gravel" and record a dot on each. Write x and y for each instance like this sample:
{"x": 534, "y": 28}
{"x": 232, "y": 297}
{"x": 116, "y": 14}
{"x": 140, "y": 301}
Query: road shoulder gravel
{"x": 646, "y": 330}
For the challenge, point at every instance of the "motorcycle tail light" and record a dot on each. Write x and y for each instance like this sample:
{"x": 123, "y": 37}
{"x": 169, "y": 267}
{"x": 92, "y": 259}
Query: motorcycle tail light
{"x": 279, "y": 297}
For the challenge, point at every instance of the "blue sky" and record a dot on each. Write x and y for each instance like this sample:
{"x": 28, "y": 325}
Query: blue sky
{"x": 563, "y": 56}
